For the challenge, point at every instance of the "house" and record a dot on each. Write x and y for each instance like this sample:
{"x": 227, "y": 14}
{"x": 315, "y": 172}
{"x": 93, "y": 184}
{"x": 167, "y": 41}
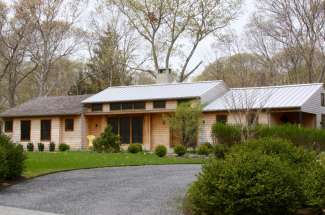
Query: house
{"x": 137, "y": 112}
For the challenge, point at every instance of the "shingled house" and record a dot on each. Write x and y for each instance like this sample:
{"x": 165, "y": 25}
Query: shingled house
{"x": 137, "y": 112}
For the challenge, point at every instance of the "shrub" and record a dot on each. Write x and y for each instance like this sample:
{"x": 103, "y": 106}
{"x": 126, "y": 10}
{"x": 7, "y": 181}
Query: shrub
{"x": 64, "y": 147}
{"x": 30, "y": 147}
{"x": 219, "y": 150}
{"x": 180, "y": 150}
{"x": 40, "y": 147}
{"x": 226, "y": 134}
{"x": 204, "y": 149}
{"x": 52, "y": 147}
{"x": 107, "y": 142}
{"x": 161, "y": 151}
{"x": 20, "y": 147}
{"x": 11, "y": 159}
{"x": 135, "y": 148}
{"x": 267, "y": 176}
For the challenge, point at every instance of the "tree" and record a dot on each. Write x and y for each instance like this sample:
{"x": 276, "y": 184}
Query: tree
{"x": 299, "y": 26}
{"x": 55, "y": 36}
{"x": 168, "y": 25}
{"x": 186, "y": 123}
{"x": 15, "y": 38}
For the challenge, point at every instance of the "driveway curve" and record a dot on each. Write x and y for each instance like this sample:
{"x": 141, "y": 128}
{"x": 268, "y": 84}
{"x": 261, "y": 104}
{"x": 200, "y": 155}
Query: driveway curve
{"x": 118, "y": 190}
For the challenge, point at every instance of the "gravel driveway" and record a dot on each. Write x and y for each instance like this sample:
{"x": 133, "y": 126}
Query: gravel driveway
{"x": 121, "y": 190}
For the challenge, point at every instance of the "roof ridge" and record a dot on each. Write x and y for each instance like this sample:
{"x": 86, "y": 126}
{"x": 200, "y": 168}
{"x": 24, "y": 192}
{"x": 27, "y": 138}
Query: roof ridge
{"x": 276, "y": 86}
{"x": 163, "y": 84}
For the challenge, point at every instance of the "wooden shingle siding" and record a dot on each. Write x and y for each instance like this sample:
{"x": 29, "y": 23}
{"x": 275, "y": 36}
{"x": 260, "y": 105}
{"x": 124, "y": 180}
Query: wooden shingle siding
{"x": 72, "y": 138}
{"x": 160, "y": 134}
{"x": 313, "y": 105}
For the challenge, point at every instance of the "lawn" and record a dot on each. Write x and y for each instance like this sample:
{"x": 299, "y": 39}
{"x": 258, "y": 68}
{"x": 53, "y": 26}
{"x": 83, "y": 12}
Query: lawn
{"x": 39, "y": 163}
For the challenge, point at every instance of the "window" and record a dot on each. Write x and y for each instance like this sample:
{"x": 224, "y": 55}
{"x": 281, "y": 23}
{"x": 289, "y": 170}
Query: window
{"x": 97, "y": 107}
{"x": 25, "y": 130}
{"x": 252, "y": 119}
{"x": 115, "y": 106}
{"x": 322, "y": 99}
{"x": 139, "y": 105}
{"x": 221, "y": 119}
{"x": 45, "y": 129}
{"x": 69, "y": 124}
{"x": 127, "y": 106}
{"x": 323, "y": 121}
{"x": 159, "y": 104}
{"x": 8, "y": 126}
{"x": 129, "y": 129}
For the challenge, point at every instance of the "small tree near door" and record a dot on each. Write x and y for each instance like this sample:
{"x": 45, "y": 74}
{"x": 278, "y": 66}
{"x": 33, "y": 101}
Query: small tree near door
{"x": 186, "y": 123}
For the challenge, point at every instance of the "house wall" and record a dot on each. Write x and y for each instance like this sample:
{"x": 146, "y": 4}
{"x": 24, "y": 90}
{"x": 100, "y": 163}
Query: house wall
{"x": 160, "y": 132}
{"x": 313, "y": 105}
{"x": 72, "y": 138}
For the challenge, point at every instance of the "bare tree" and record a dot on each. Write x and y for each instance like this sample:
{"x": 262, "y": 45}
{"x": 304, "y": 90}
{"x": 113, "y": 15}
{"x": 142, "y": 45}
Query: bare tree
{"x": 55, "y": 36}
{"x": 297, "y": 25}
{"x": 169, "y": 25}
{"x": 15, "y": 31}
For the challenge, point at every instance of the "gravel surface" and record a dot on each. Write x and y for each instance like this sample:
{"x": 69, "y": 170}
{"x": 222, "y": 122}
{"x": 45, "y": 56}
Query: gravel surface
{"x": 120, "y": 190}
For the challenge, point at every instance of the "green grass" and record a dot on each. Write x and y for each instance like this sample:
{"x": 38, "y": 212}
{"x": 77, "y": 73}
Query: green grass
{"x": 40, "y": 163}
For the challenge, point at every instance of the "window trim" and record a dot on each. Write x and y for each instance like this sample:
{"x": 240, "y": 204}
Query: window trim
{"x": 159, "y": 104}
{"x": 21, "y": 133}
{"x": 6, "y": 130}
{"x": 322, "y": 99}
{"x": 66, "y": 123}
{"x": 50, "y": 130}
{"x": 97, "y": 105}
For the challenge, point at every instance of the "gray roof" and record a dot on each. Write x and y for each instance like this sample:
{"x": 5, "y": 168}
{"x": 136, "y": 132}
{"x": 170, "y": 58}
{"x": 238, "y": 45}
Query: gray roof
{"x": 286, "y": 96}
{"x": 152, "y": 92}
{"x": 48, "y": 106}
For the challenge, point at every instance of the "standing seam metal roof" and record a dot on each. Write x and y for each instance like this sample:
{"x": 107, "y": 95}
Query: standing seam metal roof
{"x": 152, "y": 92}
{"x": 285, "y": 96}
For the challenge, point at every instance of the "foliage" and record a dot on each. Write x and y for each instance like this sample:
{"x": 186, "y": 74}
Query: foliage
{"x": 267, "y": 176}
{"x": 180, "y": 150}
{"x": 219, "y": 150}
{"x": 30, "y": 147}
{"x": 107, "y": 142}
{"x": 161, "y": 151}
{"x": 52, "y": 147}
{"x": 186, "y": 122}
{"x": 204, "y": 149}
{"x": 64, "y": 147}
{"x": 40, "y": 147}
{"x": 226, "y": 134}
{"x": 134, "y": 148}
{"x": 300, "y": 136}
{"x": 11, "y": 159}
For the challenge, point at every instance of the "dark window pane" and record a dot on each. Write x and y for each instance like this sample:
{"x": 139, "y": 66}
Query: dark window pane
{"x": 323, "y": 99}
{"x": 125, "y": 130}
{"x": 69, "y": 125}
{"x": 139, "y": 105}
{"x": 137, "y": 129}
{"x": 45, "y": 129}
{"x": 97, "y": 107}
{"x": 159, "y": 104}
{"x": 114, "y": 123}
{"x": 25, "y": 130}
{"x": 127, "y": 106}
{"x": 115, "y": 106}
{"x": 8, "y": 126}
{"x": 222, "y": 119}
{"x": 183, "y": 101}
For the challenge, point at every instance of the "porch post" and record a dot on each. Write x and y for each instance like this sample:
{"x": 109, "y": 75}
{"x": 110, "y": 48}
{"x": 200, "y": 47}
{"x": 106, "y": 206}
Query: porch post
{"x": 300, "y": 118}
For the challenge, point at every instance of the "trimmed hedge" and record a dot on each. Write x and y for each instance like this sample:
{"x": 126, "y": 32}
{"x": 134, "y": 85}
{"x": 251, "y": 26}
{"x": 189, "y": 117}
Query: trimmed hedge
{"x": 64, "y": 147}
{"x": 135, "y": 148}
{"x": 40, "y": 147}
{"x": 260, "y": 177}
{"x": 226, "y": 134}
{"x": 161, "y": 151}
{"x": 30, "y": 147}
{"x": 180, "y": 150}
{"x": 12, "y": 159}
{"x": 52, "y": 147}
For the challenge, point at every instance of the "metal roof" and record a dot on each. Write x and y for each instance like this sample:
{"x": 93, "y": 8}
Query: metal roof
{"x": 285, "y": 96}
{"x": 48, "y": 106}
{"x": 152, "y": 92}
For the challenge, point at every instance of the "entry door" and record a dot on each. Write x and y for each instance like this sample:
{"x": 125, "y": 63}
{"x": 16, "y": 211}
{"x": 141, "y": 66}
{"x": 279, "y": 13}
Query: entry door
{"x": 137, "y": 129}
{"x": 125, "y": 130}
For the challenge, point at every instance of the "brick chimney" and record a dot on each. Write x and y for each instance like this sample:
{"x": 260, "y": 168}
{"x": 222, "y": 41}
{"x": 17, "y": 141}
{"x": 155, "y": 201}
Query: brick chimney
{"x": 164, "y": 76}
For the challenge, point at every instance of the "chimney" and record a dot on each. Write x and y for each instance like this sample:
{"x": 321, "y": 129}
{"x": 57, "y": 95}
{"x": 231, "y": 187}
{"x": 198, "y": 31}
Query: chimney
{"x": 164, "y": 76}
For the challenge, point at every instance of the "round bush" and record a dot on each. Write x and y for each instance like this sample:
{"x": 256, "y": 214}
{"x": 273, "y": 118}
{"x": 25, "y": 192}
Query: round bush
{"x": 203, "y": 149}
{"x": 64, "y": 147}
{"x": 180, "y": 150}
{"x": 40, "y": 147}
{"x": 267, "y": 176}
{"x": 134, "y": 148}
{"x": 161, "y": 151}
{"x": 11, "y": 159}
{"x": 226, "y": 134}
{"x": 30, "y": 147}
{"x": 52, "y": 147}
{"x": 107, "y": 142}
{"x": 219, "y": 150}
